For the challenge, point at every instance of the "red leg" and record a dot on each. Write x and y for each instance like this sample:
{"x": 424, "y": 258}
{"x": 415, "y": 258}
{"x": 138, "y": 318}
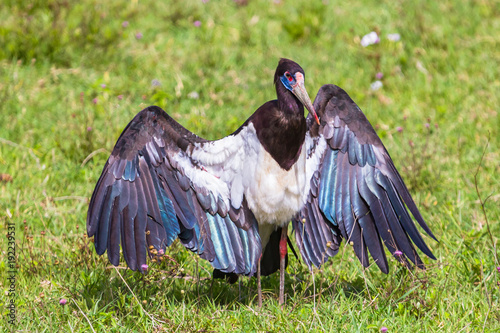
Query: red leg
{"x": 283, "y": 252}
{"x": 259, "y": 289}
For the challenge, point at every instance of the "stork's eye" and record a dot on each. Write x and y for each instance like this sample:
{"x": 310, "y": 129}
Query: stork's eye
{"x": 289, "y": 76}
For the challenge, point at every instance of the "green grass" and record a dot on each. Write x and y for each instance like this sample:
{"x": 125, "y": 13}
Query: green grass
{"x": 54, "y": 58}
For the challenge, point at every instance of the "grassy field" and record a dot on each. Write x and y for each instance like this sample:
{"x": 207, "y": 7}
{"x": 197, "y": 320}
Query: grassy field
{"x": 73, "y": 73}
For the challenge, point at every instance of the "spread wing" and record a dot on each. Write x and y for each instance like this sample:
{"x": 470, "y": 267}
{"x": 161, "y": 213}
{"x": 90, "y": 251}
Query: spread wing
{"x": 162, "y": 182}
{"x": 355, "y": 192}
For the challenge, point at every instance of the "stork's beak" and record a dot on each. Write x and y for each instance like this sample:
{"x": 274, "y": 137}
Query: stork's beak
{"x": 299, "y": 90}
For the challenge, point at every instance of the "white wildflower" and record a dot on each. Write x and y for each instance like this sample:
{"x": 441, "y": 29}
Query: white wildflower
{"x": 370, "y": 39}
{"x": 394, "y": 37}
{"x": 376, "y": 85}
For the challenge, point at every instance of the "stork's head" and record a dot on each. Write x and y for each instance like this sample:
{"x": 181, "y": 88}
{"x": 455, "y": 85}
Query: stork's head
{"x": 291, "y": 76}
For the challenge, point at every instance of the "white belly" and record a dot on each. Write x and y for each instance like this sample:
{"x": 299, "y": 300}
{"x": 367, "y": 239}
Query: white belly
{"x": 276, "y": 195}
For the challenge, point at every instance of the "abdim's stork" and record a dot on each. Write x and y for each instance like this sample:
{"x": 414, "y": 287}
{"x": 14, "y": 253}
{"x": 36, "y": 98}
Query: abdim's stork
{"x": 231, "y": 200}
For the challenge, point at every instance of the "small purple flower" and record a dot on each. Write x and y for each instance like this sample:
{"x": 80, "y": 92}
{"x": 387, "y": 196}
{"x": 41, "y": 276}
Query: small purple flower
{"x": 383, "y": 329}
{"x": 205, "y": 1}
{"x": 103, "y": 86}
{"x": 89, "y": 129}
{"x": 197, "y": 23}
{"x": 498, "y": 269}
{"x": 379, "y": 75}
{"x": 138, "y": 35}
{"x": 144, "y": 267}
{"x": 398, "y": 253}
{"x": 427, "y": 125}
{"x": 125, "y": 24}
{"x": 94, "y": 100}
{"x": 63, "y": 301}
{"x": 120, "y": 97}
{"x": 399, "y": 129}
{"x": 161, "y": 251}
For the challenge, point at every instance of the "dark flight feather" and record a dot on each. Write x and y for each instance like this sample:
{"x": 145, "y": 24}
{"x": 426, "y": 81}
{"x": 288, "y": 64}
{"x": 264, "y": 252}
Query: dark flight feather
{"x": 360, "y": 193}
{"x": 143, "y": 201}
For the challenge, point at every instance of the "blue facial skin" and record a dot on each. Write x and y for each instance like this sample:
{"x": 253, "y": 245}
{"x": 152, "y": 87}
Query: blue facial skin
{"x": 286, "y": 83}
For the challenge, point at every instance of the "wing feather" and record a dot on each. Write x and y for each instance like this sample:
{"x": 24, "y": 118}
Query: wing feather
{"x": 354, "y": 191}
{"x": 114, "y": 236}
{"x": 128, "y": 239}
{"x": 162, "y": 182}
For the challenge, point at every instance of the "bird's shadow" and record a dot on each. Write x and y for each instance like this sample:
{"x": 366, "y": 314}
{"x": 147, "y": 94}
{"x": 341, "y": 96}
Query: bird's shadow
{"x": 116, "y": 289}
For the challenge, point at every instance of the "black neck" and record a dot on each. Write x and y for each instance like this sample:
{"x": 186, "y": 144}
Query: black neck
{"x": 287, "y": 102}
{"x": 281, "y": 131}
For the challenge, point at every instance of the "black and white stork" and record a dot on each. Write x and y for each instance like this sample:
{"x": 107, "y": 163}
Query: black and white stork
{"x": 231, "y": 200}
